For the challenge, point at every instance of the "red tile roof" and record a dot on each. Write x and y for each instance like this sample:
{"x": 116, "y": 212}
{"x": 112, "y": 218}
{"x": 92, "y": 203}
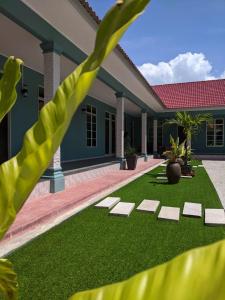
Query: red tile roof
{"x": 198, "y": 94}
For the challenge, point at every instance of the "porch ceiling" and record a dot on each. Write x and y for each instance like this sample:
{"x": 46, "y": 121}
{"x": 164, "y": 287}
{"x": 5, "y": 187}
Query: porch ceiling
{"x": 26, "y": 47}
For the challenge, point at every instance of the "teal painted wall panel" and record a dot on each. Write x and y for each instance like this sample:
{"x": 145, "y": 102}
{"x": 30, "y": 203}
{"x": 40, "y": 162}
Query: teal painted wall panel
{"x": 198, "y": 141}
{"x": 74, "y": 144}
{"x": 150, "y": 136}
{"x": 25, "y": 111}
{"x": 137, "y": 134}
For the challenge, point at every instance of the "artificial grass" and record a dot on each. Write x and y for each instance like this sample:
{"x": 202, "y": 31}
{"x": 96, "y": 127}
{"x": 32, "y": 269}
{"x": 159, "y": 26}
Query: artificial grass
{"x": 93, "y": 249}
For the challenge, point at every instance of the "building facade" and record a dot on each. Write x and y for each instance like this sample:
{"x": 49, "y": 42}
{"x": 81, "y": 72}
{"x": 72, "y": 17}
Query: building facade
{"x": 52, "y": 42}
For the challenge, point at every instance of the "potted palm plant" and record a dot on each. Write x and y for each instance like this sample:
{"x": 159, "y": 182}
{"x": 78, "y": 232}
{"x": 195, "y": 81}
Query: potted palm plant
{"x": 173, "y": 169}
{"x": 190, "y": 124}
{"x": 131, "y": 158}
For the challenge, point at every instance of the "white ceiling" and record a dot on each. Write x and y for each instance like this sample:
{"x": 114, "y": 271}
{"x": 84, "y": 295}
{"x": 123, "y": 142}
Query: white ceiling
{"x": 20, "y": 43}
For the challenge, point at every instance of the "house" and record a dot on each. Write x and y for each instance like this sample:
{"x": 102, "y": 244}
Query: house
{"x": 52, "y": 40}
{"x": 196, "y": 98}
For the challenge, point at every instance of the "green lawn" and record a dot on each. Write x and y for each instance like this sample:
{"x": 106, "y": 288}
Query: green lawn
{"x": 93, "y": 249}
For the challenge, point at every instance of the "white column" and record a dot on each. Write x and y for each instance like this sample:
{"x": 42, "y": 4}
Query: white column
{"x": 144, "y": 134}
{"x": 51, "y": 83}
{"x": 120, "y": 128}
{"x": 155, "y": 133}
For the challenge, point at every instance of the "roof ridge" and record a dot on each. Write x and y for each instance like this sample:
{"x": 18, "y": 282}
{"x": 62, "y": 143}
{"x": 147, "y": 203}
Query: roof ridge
{"x": 188, "y": 82}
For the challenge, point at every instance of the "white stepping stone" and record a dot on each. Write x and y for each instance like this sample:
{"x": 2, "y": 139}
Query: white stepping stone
{"x": 163, "y": 165}
{"x": 162, "y": 178}
{"x": 201, "y": 166}
{"x": 163, "y": 173}
{"x": 214, "y": 216}
{"x": 195, "y": 166}
{"x": 149, "y": 205}
{"x": 108, "y": 202}
{"x": 123, "y": 209}
{"x": 169, "y": 213}
{"x": 192, "y": 209}
{"x": 186, "y": 177}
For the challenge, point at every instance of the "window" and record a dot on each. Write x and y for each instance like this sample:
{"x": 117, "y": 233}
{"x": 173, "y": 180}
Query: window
{"x": 91, "y": 126}
{"x": 41, "y": 100}
{"x": 110, "y": 133}
{"x": 160, "y": 133}
{"x": 215, "y": 133}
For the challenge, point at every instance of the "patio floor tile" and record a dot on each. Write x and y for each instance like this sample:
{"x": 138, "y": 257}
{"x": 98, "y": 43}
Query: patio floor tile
{"x": 123, "y": 209}
{"x": 169, "y": 213}
{"x": 149, "y": 205}
{"x": 214, "y": 216}
{"x": 108, "y": 202}
{"x": 192, "y": 209}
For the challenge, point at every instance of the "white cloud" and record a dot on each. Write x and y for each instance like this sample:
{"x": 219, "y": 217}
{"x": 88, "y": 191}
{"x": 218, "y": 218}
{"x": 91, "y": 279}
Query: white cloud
{"x": 183, "y": 68}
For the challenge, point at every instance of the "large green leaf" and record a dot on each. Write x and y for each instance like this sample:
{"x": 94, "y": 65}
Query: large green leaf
{"x": 8, "y": 280}
{"x": 19, "y": 175}
{"x": 8, "y": 82}
{"x": 195, "y": 275}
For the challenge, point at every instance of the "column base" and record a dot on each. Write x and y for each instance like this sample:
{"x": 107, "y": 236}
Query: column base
{"x": 57, "y": 180}
{"x": 122, "y": 163}
{"x": 156, "y": 155}
{"x": 145, "y": 157}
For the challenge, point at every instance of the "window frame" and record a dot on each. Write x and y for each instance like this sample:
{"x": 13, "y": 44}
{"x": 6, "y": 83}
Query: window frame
{"x": 91, "y": 130}
{"x": 214, "y": 133}
{"x": 162, "y": 131}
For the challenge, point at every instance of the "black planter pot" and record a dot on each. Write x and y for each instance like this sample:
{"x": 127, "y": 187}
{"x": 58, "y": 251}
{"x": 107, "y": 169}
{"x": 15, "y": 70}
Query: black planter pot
{"x": 186, "y": 169}
{"x": 131, "y": 162}
{"x": 173, "y": 172}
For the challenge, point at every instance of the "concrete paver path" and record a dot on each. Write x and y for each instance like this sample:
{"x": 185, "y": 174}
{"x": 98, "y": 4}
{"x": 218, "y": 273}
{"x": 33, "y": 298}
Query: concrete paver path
{"x": 216, "y": 172}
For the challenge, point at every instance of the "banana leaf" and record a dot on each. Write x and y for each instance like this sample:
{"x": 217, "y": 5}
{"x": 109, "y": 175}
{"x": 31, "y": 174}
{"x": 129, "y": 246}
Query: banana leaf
{"x": 8, "y": 280}
{"x": 195, "y": 275}
{"x": 19, "y": 175}
{"x": 8, "y": 82}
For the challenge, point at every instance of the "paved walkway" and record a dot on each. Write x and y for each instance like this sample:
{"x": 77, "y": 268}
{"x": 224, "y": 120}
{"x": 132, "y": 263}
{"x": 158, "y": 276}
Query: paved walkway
{"x": 216, "y": 172}
{"x": 40, "y": 214}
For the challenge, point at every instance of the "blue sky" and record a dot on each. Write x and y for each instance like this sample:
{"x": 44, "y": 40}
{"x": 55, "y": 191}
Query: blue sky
{"x": 174, "y": 37}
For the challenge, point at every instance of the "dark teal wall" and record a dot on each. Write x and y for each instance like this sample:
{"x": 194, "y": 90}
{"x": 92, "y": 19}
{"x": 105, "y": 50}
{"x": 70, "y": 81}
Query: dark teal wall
{"x": 137, "y": 134}
{"x": 25, "y": 111}
{"x": 74, "y": 143}
{"x": 150, "y": 136}
{"x": 198, "y": 141}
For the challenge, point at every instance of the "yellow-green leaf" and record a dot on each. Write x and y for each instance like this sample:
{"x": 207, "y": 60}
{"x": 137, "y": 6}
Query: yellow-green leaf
{"x": 195, "y": 275}
{"x": 8, "y": 82}
{"x": 8, "y": 281}
{"x": 19, "y": 175}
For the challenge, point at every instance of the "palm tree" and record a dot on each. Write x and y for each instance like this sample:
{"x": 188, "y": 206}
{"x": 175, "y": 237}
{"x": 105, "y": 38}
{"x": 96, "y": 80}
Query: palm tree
{"x": 190, "y": 124}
